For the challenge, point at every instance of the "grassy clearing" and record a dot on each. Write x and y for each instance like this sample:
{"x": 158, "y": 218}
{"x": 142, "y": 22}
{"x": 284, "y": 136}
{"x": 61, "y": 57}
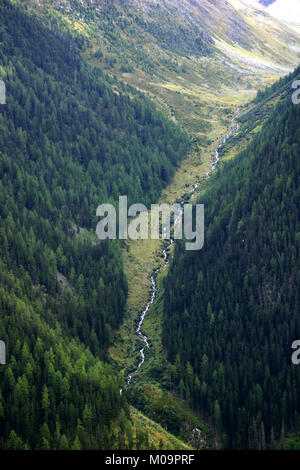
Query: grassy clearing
{"x": 139, "y": 261}
{"x": 172, "y": 413}
{"x": 158, "y": 436}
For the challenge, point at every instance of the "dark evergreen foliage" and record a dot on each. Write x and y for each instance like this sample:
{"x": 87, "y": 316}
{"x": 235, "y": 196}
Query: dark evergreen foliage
{"x": 232, "y": 309}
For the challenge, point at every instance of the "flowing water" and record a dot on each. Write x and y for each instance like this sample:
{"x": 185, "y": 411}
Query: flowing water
{"x": 234, "y": 128}
{"x": 142, "y": 337}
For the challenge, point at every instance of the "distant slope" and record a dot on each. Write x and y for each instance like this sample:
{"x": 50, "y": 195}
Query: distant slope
{"x": 185, "y": 28}
{"x": 254, "y": 114}
{"x": 196, "y": 59}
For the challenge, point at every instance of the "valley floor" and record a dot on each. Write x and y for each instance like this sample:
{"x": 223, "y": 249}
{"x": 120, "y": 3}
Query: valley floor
{"x": 141, "y": 258}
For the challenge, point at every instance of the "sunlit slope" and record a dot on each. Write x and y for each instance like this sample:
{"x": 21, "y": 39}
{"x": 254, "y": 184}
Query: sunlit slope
{"x": 158, "y": 437}
{"x": 197, "y": 60}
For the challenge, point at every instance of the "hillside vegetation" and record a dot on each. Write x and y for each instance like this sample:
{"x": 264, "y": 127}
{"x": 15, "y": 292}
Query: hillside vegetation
{"x": 68, "y": 143}
{"x": 77, "y": 131}
{"x": 231, "y": 310}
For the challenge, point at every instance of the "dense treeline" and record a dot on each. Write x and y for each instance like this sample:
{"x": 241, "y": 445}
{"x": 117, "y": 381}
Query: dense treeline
{"x": 69, "y": 141}
{"x": 231, "y": 310}
{"x": 282, "y": 84}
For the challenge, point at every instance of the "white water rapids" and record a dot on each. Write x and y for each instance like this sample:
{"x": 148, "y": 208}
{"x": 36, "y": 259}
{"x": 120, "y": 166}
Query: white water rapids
{"x": 234, "y": 128}
{"x": 141, "y": 336}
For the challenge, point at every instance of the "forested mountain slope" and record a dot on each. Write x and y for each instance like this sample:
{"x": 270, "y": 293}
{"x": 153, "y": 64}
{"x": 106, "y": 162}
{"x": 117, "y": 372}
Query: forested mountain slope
{"x": 68, "y": 142}
{"x": 197, "y": 59}
{"x": 232, "y": 309}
